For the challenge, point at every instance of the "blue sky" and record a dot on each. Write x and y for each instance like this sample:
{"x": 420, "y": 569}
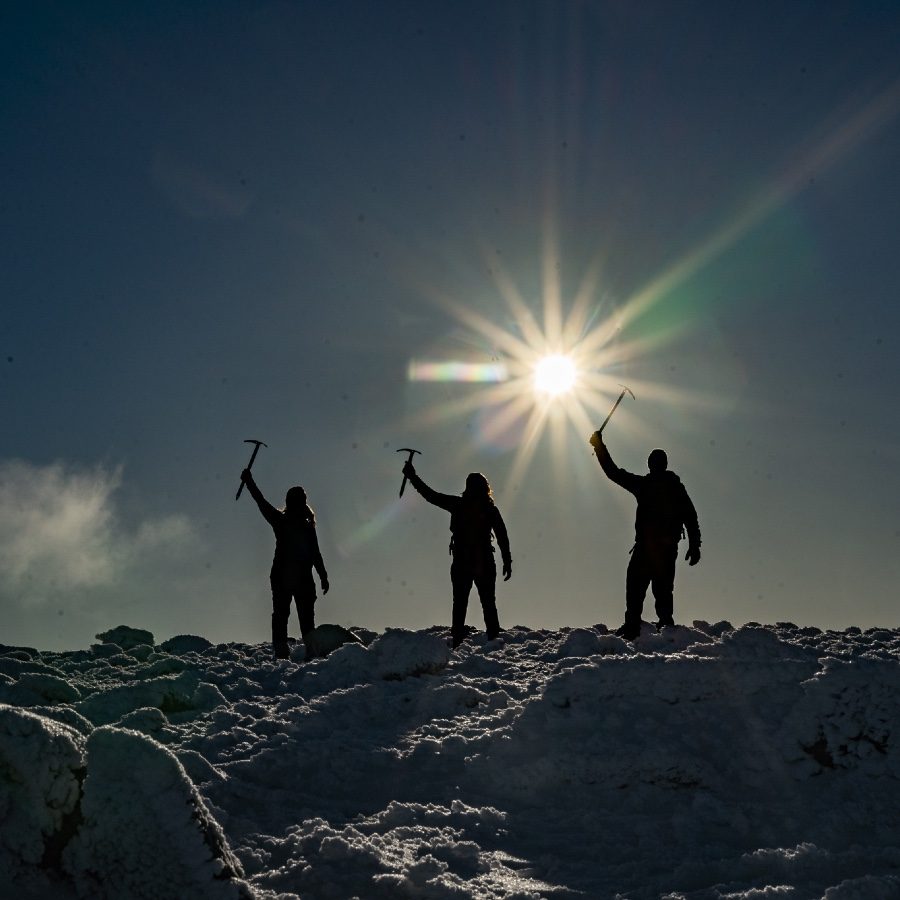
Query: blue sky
{"x": 244, "y": 220}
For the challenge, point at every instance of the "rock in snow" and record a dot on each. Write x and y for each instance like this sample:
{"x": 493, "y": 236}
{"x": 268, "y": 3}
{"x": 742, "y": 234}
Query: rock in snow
{"x": 326, "y": 638}
{"x": 700, "y": 763}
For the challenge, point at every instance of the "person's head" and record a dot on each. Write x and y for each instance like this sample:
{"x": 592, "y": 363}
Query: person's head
{"x": 295, "y": 504}
{"x": 477, "y": 487}
{"x": 295, "y": 498}
{"x": 657, "y": 461}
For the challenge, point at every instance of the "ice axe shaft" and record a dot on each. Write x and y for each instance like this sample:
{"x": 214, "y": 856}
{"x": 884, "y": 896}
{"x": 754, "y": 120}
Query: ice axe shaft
{"x": 250, "y": 464}
{"x": 411, "y": 453}
{"x": 615, "y": 407}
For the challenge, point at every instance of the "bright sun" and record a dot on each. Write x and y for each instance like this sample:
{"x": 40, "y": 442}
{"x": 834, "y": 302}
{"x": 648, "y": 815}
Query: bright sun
{"x": 554, "y": 375}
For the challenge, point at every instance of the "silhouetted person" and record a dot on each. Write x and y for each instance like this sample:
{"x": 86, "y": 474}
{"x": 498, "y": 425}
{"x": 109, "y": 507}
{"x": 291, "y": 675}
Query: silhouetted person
{"x": 664, "y": 512}
{"x": 296, "y": 555}
{"x": 474, "y": 518}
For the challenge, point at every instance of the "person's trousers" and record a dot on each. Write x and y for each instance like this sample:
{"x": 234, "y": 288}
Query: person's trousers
{"x": 484, "y": 576}
{"x": 651, "y": 565}
{"x": 304, "y": 595}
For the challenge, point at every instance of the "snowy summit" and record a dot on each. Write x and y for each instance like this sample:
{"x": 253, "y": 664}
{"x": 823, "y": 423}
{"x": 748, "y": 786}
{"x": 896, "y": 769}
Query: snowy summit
{"x": 701, "y": 763}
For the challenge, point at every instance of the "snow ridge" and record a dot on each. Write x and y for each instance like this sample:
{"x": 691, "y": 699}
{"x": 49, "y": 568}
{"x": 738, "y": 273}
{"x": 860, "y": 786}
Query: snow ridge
{"x": 700, "y": 763}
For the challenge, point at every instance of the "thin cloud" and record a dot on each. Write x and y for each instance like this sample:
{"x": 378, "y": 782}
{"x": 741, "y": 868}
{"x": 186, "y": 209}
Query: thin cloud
{"x": 60, "y": 532}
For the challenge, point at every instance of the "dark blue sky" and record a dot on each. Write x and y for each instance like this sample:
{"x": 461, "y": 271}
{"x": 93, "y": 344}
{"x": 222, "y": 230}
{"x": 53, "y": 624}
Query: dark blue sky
{"x": 232, "y": 220}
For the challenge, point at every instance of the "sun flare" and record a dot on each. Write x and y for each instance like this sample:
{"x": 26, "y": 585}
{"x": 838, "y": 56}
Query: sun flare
{"x": 555, "y": 370}
{"x": 554, "y": 375}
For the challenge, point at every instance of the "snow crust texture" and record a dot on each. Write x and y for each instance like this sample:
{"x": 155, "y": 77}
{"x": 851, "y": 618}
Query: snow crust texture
{"x": 701, "y": 763}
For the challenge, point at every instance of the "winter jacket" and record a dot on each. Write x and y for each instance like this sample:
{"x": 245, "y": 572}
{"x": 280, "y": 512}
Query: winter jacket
{"x": 296, "y": 543}
{"x": 472, "y": 524}
{"x": 664, "y": 509}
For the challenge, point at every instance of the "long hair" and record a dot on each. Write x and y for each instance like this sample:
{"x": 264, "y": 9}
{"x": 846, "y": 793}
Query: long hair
{"x": 295, "y": 501}
{"x": 478, "y": 489}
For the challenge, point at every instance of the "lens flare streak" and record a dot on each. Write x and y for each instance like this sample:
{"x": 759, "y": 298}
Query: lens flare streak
{"x": 419, "y": 370}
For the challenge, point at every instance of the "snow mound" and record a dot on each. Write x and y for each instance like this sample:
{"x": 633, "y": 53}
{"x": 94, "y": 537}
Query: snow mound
{"x": 51, "y": 688}
{"x": 672, "y": 637}
{"x": 869, "y": 887}
{"x": 105, "y": 651}
{"x": 64, "y": 715}
{"x": 400, "y": 653}
{"x": 182, "y": 694}
{"x": 36, "y": 688}
{"x": 582, "y": 642}
{"x": 14, "y": 664}
{"x": 185, "y": 643}
{"x": 423, "y": 851}
{"x": 41, "y": 764}
{"x": 146, "y": 832}
{"x": 148, "y": 720}
{"x": 125, "y": 637}
{"x": 756, "y": 643}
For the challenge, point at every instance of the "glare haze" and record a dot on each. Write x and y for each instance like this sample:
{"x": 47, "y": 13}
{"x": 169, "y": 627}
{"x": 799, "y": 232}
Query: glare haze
{"x": 229, "y": 221}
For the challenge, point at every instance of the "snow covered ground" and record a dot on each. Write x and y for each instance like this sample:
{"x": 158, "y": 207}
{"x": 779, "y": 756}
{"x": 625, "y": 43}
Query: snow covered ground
{"x": 705, "y": 762}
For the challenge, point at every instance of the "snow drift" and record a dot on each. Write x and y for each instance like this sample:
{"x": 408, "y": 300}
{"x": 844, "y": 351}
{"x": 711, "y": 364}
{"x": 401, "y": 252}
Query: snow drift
{"x": 703, "y": 763}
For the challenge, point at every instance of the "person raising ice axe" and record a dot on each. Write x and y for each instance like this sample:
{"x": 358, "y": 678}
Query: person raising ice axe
{"x": 296, "y": 555}
{"x": 474, "y": 518}
{"x": 664, "y": 512}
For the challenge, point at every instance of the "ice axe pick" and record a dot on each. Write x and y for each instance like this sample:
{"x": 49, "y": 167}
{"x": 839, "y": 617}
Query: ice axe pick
{"x": 250, "y": 464}
{"x": 411, "y": 453}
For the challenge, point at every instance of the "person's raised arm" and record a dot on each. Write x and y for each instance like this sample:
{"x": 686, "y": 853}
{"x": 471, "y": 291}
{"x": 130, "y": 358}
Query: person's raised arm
{"x": 627, "y": 480}
{"x": 270, "y": 514}
{"x": 444, "y": 501}
{"x": 499, "y": 527}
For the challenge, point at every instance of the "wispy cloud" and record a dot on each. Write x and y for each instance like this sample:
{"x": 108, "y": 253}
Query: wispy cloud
{"x": 60, "y": 532}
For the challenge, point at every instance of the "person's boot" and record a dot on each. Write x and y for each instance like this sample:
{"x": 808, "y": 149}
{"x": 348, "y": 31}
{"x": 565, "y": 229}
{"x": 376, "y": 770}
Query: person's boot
{"x": 458, "y": 630}
{"x": 628, "y": 631}
{"x": 281, "y": 651}
{"x": 491, "y": 623}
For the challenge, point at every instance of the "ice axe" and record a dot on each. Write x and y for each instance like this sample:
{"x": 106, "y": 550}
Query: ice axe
{"x": 411, "y": 453}
{"x": 625, "y": 391}
{"x": 250, "y": 464}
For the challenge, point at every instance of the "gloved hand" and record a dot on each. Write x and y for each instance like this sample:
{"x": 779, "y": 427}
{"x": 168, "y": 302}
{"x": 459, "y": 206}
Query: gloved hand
{"x": 409, "y": 469}
{"x": 693, "y": 555}
{"x": 596, "y": 440}
{"x": 246, "y": 477}
{"x": 507, "y": 570}
{"x": 325, "y": 584}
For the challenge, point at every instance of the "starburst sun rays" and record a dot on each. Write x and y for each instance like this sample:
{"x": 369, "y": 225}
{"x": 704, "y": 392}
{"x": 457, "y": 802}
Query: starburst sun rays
{"x": 558, "y": 375}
